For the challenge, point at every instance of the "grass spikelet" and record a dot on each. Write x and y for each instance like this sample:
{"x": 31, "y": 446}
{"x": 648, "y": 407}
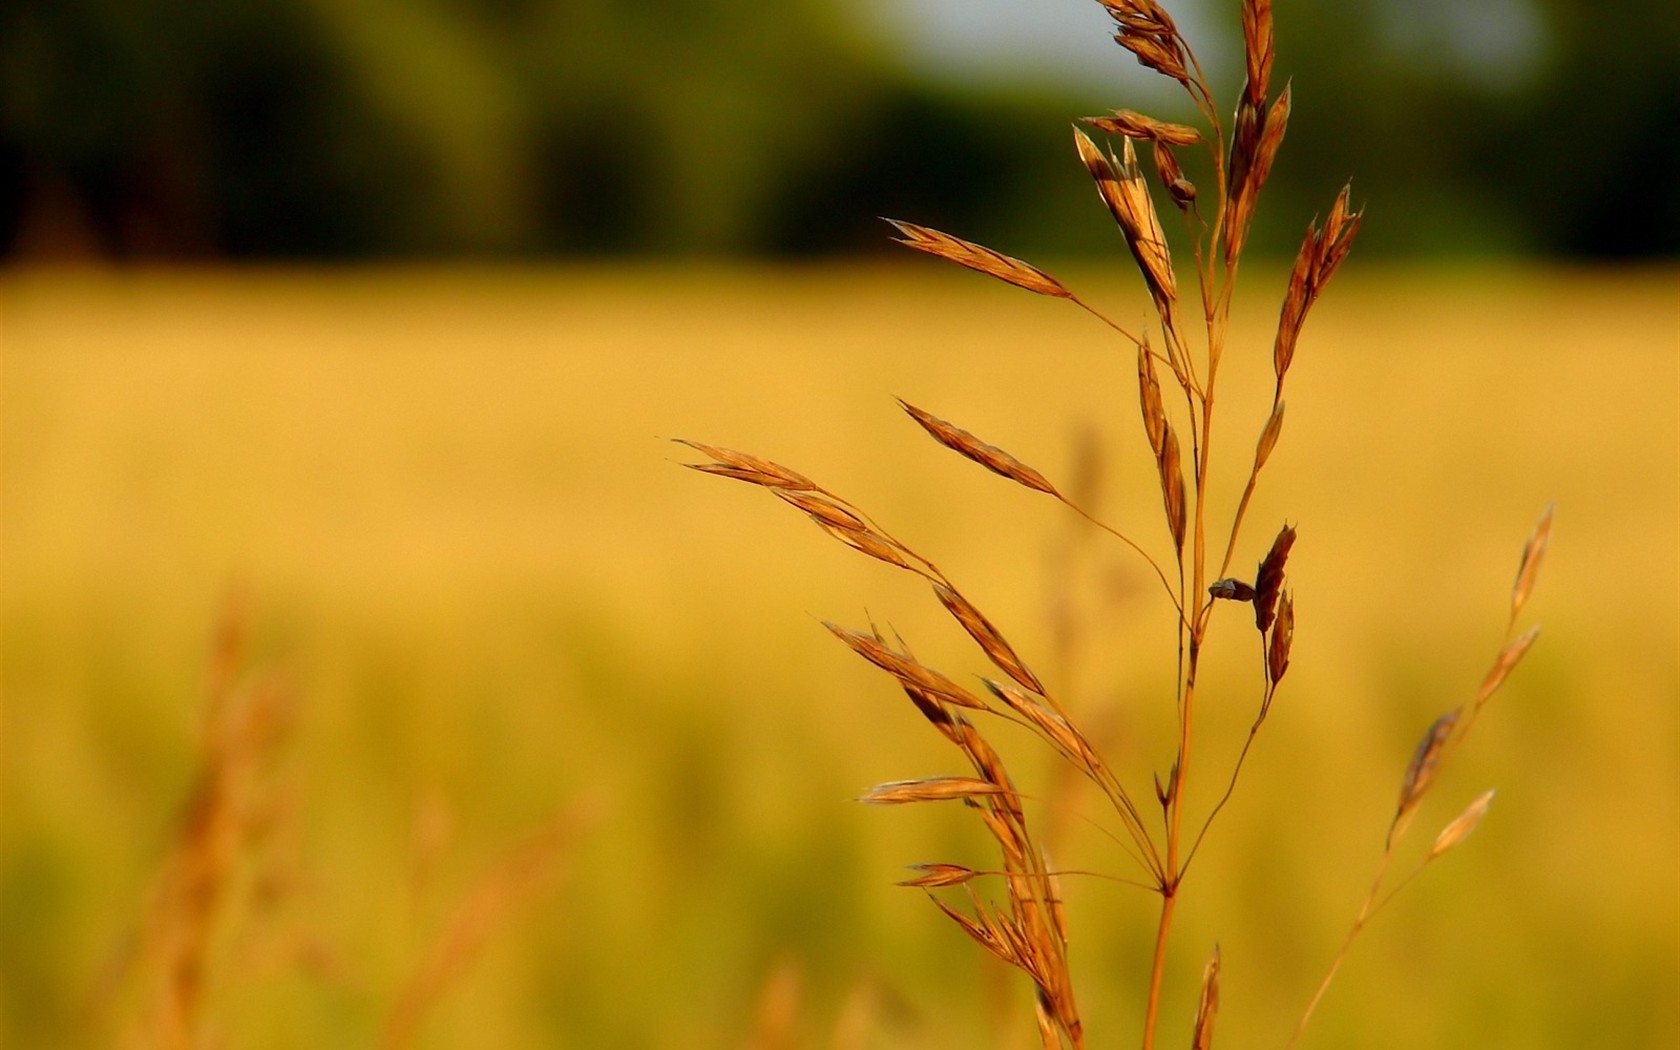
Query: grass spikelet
{"x": 1508, "y": 658}
{"x": 825, "y": 509}
{"x": 1172, "y": 490}
{"x": 1149, "y": 34}
{"x": 1268, "y": 579}
{"x": 998, "y": 651}
{"x": 1283, "y": 637}
{"x": 1179, "y": 188}
{"x": 1321, "y": 254}
{"x": 1296, "y": 298}
{"x": 1135, "y": 125}
{"x": 1258, "y": 49}
{"x": 1149, "y": 400}
{"x": 1120, "y": 185}
{"x": 981, "y": 932}
{"x": 1462, "y": 825}
{"x": 742, "y": 467}
{"x": 1420, "y": 772}
{"x": 936, "y": 875}
{"x": 866, "y": 541}
{"x": 907, "y": 669}
{"x": 974, "y": 257}
{"x": 1269, "y": 437}
{"x": 1534, "y": 552}
{"x": 929, "y": 789}
{"x": 1208, "y": 1005}
{"x": 1257, "y": 140}
{"x": 1051, "y": 724}
{"x": 991, "y": 457}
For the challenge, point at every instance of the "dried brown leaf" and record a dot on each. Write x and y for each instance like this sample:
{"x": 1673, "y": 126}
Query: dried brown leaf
{"x": 991, "y": 457}
{"x": 975, "y": 257}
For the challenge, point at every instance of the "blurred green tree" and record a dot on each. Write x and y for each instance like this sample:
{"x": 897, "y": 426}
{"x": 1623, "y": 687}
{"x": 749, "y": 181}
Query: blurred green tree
{"x": 339, "y": 129}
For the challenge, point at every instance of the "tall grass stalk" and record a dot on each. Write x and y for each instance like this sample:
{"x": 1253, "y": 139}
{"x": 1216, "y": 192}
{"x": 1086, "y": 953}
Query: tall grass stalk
{"x": 1178, "y": 361}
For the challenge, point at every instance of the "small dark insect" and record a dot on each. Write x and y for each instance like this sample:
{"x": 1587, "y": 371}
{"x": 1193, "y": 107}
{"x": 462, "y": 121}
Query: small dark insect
{"x": 1231, "y": 589}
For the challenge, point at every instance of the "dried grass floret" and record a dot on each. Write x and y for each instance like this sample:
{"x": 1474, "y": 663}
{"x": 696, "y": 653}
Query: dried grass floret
{"x": 1462, "y": 825}
{"x": 988, "y": 637}
{"x": 1268, "y": 578}
{"x": 1208, "y": 1005}
{"x": 974, "y": 257}
{"x": 1120, "y": 185}
{"x": 1420, "y": 772}
{"x": 991, "y": 457}
{"x": 1534, "y": 552}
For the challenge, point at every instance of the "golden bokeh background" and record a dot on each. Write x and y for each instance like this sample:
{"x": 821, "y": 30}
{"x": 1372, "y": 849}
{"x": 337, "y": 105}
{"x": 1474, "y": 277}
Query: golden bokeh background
{"x": 445, "y": 502}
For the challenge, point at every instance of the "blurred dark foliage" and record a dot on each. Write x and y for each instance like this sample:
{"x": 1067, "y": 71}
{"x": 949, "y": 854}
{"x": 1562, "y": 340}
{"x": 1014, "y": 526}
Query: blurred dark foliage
{"x": 368, "y": 129}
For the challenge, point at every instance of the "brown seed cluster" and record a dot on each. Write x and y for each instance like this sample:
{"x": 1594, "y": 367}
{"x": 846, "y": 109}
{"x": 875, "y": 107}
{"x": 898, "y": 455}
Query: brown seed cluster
{"x": 1147, "y": 32}
{"x": 1322, "y": 252}
{"x": 1163, "y": 442}
{"x": 1135, "y": 125}
{"x": 1120, "y": 185}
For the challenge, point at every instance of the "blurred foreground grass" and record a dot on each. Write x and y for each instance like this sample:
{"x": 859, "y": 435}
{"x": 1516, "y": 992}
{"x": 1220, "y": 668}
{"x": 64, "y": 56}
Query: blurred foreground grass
{"x": 445, "y": 500}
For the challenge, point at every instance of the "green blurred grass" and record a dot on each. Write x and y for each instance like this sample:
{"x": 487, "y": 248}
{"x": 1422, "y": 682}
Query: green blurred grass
{"x": 465, "y": 544}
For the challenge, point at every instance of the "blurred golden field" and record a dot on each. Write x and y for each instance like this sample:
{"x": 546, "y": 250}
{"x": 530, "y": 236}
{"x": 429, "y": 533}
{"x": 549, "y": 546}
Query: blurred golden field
{"x": 446, "y": 501}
